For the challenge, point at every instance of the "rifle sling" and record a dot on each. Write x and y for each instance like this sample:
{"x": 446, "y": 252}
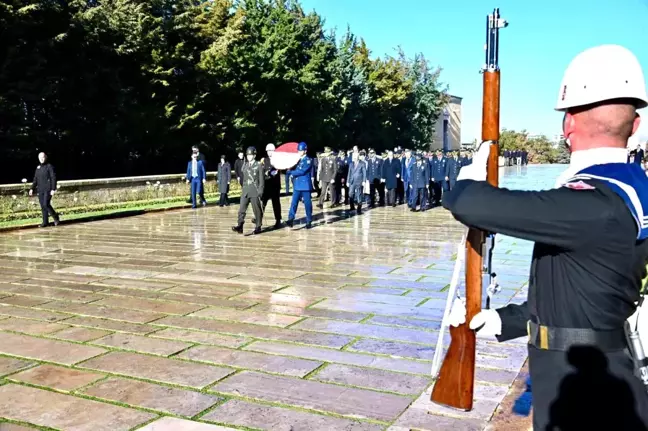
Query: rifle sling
{"x": 548, "y": 338}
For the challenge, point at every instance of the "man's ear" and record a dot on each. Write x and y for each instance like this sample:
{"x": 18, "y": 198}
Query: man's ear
{"x": 636, "y": 123}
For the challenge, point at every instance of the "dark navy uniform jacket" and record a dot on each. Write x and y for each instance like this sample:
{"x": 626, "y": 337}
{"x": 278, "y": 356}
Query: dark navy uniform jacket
{"x": 439, "y": 168}
{"x": 391, "y": 168}
{"x": 420, "y": 176}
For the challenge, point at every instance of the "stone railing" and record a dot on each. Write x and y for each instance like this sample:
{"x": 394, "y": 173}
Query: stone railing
{"x": 78, "y": 196}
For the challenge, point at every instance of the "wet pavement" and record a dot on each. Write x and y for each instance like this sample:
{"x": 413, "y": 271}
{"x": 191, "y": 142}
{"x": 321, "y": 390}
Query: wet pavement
{"x": 171, "y": 321}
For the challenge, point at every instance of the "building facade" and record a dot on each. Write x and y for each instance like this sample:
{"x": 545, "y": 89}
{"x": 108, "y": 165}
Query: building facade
{"x": 447, "y": 133}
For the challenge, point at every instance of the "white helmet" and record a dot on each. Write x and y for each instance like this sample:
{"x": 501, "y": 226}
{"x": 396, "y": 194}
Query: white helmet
{"x": 602, "y": 73}
{"x": 270, "y": 147}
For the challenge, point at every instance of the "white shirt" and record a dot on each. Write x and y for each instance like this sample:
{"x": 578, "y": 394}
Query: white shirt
{"x": 194, "y": 168}
{"x": 586, "y": 158}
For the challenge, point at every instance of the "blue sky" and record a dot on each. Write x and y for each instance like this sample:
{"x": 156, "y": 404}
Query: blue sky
{"x": 541, "y": 39}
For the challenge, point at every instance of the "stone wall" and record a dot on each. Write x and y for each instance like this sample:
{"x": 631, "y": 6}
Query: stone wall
{"x": 453, "y": 129}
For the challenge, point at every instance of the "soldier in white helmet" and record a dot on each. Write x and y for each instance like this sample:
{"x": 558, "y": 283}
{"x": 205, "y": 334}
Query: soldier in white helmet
{"x": 589, "y": 257}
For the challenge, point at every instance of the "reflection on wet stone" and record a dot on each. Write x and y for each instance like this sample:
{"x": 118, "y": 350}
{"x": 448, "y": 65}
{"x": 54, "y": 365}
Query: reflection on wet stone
{"x": 323, "y": 328}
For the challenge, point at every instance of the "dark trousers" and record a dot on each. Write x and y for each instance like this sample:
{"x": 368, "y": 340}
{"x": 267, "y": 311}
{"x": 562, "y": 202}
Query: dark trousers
{"x": 419, "y": 197}
{"x": 196, "y": 188}
{"x": 408, "y": 192}
{"x": 400, "y": 192}
{"x": 451, "y": 183}
{"x": 256, "y": 209}
{"x": 586, "y": 389}
{"x": 45, "y": 200}
{"x": 338, "y": 191}
{"x": 438, "y": 189}
{"x": 223, "y": 199}
{"x": 391, "y": 196}
{"x": 356, "y": 196}
{"x": 273, "y": 194}
{"x": 328, "y": 187}
{"x": 377, "y": 186}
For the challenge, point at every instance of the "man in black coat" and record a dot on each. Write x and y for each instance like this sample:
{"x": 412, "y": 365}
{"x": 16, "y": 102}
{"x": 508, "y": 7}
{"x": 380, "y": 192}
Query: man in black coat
{"x": 391, "y": 170}
{"x": 224, "y": 177}
{"x": 272, "y": 188}
{"x": 45, "y": 186}
{"x": 238, "y": 168}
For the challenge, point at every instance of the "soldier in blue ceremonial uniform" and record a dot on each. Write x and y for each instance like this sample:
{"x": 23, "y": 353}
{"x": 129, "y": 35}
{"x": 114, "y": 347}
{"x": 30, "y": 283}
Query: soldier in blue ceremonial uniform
{"x": 438, "y": 167}
{"x": 419, "y": 183}
{"x": 374, "y": 175}
{"x": 452, "y": 170}
{"x": 355, "y": 180}
{"x": 302, "y": 177}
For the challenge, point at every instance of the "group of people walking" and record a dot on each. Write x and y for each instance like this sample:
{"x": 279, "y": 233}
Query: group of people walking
{"x": 515, "y": 157}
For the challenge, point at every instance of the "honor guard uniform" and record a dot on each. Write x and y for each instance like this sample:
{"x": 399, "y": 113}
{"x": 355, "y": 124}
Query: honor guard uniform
{"x": 356, "y": 179}
{"x": 419, "y": 183}
{"x": 272, "y": 189}
{"x": 326, "y": 174}
{"x": 253, "y": 185}
{"x": 302, "y": 186}
{"x": 589, "y": 256}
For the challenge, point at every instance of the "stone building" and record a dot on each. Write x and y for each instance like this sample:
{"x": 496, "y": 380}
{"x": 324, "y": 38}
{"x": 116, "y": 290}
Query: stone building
{"x": 447, "y": 134}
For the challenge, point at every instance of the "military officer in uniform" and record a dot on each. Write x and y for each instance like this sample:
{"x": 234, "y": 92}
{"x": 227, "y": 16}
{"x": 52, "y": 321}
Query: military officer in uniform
{"x": 253, "y": 185}
{"x": 391, "y": 169}
{"x": 452, "y": 170}
{"x": 437, "y": 169}
{"x": 340, "y": 179}
{"x": 407, "y": 163}
{"x": 302, "y": 186}
{"x": 272, "y": 189}
{"x": 326, "y": 175}
{"x": 419, "y": 183}
{"x": 589, "y": 256}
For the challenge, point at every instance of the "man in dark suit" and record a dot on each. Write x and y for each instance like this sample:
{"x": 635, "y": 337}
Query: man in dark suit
{"x": 238, "y": 168}
{"x": 391, "y": 170}
{"x": 196, "y": 176}
{"x": 253, "y": 184}
{"x": 272, "y": 189}
{"x": 45, "y": 186}
{"x": 199, "y": 156}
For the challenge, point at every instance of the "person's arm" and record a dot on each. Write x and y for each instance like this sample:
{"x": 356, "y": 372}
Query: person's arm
{"x": 514, "y": 321}
{"x": 34, "y": 186}
{"x": 52, "y": 176}
{"x": 188, "y": 177}
{"x": 203, "y": 171}
{"x": 261, "y": 184}
{"x": 563, "y": 217}
{"x": 335, "y": 171}
{"x": 302, "y": 169}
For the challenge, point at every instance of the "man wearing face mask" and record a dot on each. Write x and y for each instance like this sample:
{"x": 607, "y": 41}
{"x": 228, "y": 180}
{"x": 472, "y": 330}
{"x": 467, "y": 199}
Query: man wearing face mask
{"x": 302, "y": 186}
{"x": 589, "y": 257}
{"x": 253, "y": 185}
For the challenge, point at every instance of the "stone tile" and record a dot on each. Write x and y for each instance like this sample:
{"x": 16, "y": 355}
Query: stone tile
{"x": 256, "y": 331}
{"x": 373, "y": 379}
{"x": 494, "y": 376}
{"x": 27, "y": 326}
{"x": 91, "y": 310}
{"x": 106, "y": 272}
{"x": 79, "y": 334}
{"x": 41, "y": 349}
{"x": 314, "y": 395}
{"x": 353, "y": 296}
{"x": 482, "y": 408}
{"x": 251, "y": 360}
{"x": 50, "y": 409}
{"x": 149, "y": 305}
{"x": 11, "y": 365}
{"x": 158, "y": 369}
{"x": 245, "y": 316}
{"x": 49, "y": 293}
{"x": 393, "y": 348}
{"x": 162, "y": 398}
{"x": 410, "y": 323}
{"x": 310, "y": 312}
{"x": 28, "y": 313}
{"x": 63, "y": 379}
{"x": 382, "y": 309}
{"x": 23, "y": 301}
{"x": 136, "y": 284}
{"x": 342, "y": 357}
{"x": 279, "y": 299}
{"x": 422, "y": 420}
{"x": 142, "y": 344}
{"x": 63, "y": 282}
{"x": 175, "y": 424}
{"x": 13, "y": 427}
{"x": 111, "y": 325}
{"x": 367, "y": 330}
{"x": 201, "y": 337}
{"x": 258, "y": 416}
{"x": 219, "y": 291}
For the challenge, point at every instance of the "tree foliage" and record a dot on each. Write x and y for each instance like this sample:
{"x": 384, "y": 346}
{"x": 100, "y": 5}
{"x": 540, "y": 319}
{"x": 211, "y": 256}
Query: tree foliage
{"x": 125, "y": 87}
{"x": 539, "y": 148}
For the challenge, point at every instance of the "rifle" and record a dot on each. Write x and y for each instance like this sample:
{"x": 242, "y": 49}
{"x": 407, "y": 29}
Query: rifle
{"x": 455, "y": 384}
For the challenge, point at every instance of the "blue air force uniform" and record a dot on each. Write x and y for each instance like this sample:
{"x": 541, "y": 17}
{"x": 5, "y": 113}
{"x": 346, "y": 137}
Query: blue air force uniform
{"x": 374, "y": 175}
{"x": 438, "y": 172}
{"x": 406, "y": 172}
{"x": 452, "y": 171}
{"x": 302, "y": 177}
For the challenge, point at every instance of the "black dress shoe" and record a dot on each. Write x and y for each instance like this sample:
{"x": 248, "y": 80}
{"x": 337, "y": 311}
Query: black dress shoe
{"x": 42, "y": 225}
{"x": 238, "y": 229}
{"x": 309, "y": 225}
{"x": 278, "y": 225}
{"x": 57, "y": 222}
{"x": 257, "y": 230}
{"x": 290, "y": 223}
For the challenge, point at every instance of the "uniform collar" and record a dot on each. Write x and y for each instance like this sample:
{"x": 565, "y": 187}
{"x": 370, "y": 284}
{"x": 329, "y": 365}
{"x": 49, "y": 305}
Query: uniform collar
{"x": 584, "y": 159}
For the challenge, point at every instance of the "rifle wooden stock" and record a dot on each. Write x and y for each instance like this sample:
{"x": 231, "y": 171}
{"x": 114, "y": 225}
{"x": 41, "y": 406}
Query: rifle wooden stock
{"x": 455, "y": 384}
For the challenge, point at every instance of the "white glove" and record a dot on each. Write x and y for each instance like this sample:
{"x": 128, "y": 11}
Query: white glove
{"x": 477, "y": 169}
{"x": 487, "y": 322}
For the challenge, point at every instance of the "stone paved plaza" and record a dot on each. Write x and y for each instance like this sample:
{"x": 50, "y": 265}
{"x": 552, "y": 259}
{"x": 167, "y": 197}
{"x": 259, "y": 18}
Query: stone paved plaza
{"x": 171, "y": 321}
